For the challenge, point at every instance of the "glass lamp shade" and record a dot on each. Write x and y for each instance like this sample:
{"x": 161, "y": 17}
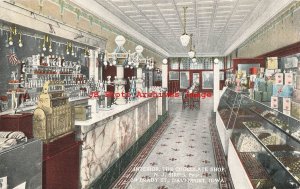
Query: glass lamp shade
{"x": 185, "y": 39}
{"x": 216, "y": 60}
{"x": 120, "y": 40}
{"x": 139, "y": 49}
{"x": 191, "y": 53}
{"x": 165, "y": 61}
{"x": 194, "y": 60}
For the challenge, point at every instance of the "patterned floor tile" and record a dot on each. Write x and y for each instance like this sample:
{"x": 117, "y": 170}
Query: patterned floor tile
{"x": 183, "y": 156}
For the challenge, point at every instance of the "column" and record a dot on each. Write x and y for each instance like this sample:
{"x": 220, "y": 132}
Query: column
{"x": 97, "y": 65}
{"x": 139, "y": 80}
{"x": 216, "y": 91}
{"x": 120, "y": 83}
{"x": 92, "y": 63}
{"x": 164, "y": 77}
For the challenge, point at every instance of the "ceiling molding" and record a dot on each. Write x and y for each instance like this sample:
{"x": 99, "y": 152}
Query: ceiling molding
{"x": 110, "y": 18}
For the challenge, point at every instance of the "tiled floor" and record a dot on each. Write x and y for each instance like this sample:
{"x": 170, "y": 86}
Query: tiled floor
{"x": 180, "y": 155}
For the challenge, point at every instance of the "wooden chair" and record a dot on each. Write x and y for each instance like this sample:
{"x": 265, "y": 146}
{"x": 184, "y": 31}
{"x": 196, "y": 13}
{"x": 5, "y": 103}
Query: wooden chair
{"x": 185, "y": 100}
{"x": 196, "y": 100}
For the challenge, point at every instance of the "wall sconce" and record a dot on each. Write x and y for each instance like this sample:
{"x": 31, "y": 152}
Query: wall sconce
{"x": 13, "y": 32}
{"x": 86, "y": 52}
{"x": 20, "y": 40}
{"x": 47, "y": 40}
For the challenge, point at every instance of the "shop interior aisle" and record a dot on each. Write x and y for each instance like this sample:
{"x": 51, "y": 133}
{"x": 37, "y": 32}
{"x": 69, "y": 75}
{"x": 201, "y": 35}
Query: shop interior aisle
{"x": 180, "y": 155}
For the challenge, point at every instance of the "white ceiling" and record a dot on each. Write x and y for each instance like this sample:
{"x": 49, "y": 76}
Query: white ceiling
{"x": 218, "y": 26}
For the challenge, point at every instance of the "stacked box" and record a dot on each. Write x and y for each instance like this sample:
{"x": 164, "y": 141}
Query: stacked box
{"x": 295, "y": 102}
{"x": 295, "y": 110}
{"x": 282, "y": 90}
{"x": 269, "y": 72}
{"x": 279, "y": 78}
{"x": 258, "y": 96}
{"x": 270, "y": 87}
{"x": 266, "y": 96}
{"x": 262, "y": 87}
{"x": 274, "y": 102}
{"x": 272, "y": 63}
{"x": 288, "y": 79}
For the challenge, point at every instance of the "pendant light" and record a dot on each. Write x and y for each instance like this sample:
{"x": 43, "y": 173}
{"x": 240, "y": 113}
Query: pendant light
{"x": 184, "y": 38}
{"x": 191, "y": 53}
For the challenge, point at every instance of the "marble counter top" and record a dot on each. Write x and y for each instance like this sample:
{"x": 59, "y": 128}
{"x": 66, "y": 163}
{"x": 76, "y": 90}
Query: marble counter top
{"x": 106, "y": 115}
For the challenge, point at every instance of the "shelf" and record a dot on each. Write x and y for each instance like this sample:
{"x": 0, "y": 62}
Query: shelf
{"x": 14, "y": 83}
{"x": 271, "y": 153}
{"x": 297, "y": 140}
{"x": 50, "y": 66}
{"x": 268, "y": 107}
{"x": 16, "y": 92}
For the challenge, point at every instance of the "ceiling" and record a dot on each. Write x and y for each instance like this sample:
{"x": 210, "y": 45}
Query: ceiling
{"x": 218, "y": 26}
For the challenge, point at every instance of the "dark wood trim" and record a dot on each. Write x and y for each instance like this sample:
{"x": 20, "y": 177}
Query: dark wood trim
{"x": 237, "y": 61}
{"x": 284, "y": 51}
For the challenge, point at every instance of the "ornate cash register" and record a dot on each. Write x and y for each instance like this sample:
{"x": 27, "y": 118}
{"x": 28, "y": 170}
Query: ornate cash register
{"x": 54, "y": 116}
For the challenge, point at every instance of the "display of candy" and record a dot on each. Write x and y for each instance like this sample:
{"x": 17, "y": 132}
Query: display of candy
{"x": 263, "y": 135}
{"x": 253, "y": 167}
{"x": 252, "y": 124}
{"x": 271, "y": 140}
{"x": 247, "y": 143}
{"x": 296, "y": 134}
{"x": 262, "y": 183}
{"x": 283, "y": 147}
{"x": 289, "y": 160}
{"x": 283, "y": 125}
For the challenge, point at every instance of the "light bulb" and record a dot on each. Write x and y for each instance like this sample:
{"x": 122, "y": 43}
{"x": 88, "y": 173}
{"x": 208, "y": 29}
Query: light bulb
{"x": 69, "y": 53}
{"x": 20, "y": 44}
{"x": 11, "y": 43}
{"x": 131, "y": 67}
{"x": 114, "y": 62}
{"x": 44, "y": 48}
{"x": 50, "y": 49}
{"x": 105, "y": 63}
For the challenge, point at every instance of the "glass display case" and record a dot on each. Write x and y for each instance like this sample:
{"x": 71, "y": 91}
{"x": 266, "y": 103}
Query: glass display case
{"x": 266, "y": 141}
{"x": 21, "y": 165}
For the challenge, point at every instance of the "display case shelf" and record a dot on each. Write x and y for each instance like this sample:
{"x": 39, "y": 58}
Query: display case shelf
{"x": 287, "y": 169}
{"x": 268, "y": 142}
{"x": 278, "y": 127}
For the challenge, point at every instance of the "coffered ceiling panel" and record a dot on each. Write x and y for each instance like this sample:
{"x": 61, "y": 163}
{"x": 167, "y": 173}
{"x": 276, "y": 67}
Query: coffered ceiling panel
{"x": 215, "y": 24}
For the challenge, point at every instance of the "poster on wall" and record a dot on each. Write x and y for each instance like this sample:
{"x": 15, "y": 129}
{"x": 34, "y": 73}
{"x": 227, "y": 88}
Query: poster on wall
{"x": 207, "y": 80}
{"x": 184, "y": 80}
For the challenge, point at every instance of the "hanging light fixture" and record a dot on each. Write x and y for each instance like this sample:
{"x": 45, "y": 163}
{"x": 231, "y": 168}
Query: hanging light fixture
{"x": 184, "y": 38}
{"x": 120, "y": 55}
{"x": 20, "y": 40}
{"x": 191, "y": 53}
{"x": 194, "y": 59}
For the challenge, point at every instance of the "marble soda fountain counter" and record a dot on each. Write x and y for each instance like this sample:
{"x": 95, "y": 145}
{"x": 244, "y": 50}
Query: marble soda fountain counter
{"x": 109, "y": 134}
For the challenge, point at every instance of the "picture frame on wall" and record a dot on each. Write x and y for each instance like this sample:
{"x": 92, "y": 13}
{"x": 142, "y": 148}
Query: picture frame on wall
{"x": 207, "y": 80}
{"x": 173, "y": 75}
{"x": 184, "y": 80}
